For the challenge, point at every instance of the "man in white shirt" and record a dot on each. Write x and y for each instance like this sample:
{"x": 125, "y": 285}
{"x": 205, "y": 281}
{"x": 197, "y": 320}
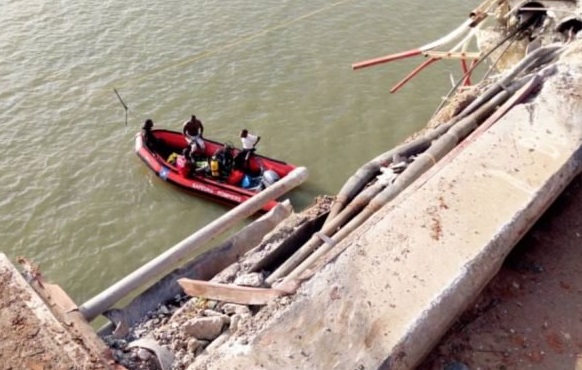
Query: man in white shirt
{"x": 249, "y": 142}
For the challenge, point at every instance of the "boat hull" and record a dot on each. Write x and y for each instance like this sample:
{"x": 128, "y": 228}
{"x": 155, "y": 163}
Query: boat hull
{"x": 168, "y": 142}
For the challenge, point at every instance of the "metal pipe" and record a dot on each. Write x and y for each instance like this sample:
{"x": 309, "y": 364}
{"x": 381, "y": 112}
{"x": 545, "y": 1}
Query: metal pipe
{"x": 464, "y": 43}
{"x": 434, "y": 56}
{"x": 328, "y": 229}
{"x": 414, "y": 52}
{"x": 467, "y": 80}
{"x": 203, "y": 267}
{"x": 476, "y": 17}
{"x": 181, "y": 251}
{"x": 484, "y": 7}
{"x": 465, "y": 69}
{"x": 414, "y": 72}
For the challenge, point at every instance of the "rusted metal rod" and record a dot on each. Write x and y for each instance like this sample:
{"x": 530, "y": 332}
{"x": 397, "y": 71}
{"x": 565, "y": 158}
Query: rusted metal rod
{"x": 414, "y": 52}
{"x": 414, "y": 72}
{"x": 386, "y": 59}
{"x": 476, "y": 17}
{"x": 462, "y": 45}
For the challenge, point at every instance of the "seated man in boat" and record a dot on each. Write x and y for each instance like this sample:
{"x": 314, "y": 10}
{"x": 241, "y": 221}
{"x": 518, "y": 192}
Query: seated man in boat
{"x": 193, "y": 130}
{"x": 225, "y": 160}
{"x": 149, "y": 139}
{"x": 249, "y": 142}
{"x": 184, "y": 163}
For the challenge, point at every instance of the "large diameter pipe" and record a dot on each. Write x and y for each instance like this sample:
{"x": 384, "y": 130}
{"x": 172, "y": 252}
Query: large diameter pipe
{"x": 181, "y": 251}
{"x": 376, "y": 197}
{"x": 421, "y": 165}
{"x": 509, "y": 76}
{"x": 328, "y": 229}
{"x": 370, "y": 169}
{"x": 365, "y": 173}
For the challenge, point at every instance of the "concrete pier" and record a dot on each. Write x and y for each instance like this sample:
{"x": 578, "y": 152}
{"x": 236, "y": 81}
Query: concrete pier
{"x": 409, "y": 271}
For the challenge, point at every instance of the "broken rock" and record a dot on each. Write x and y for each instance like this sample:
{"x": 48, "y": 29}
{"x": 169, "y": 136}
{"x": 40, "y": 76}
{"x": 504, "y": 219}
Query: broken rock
{"x": 207, "y": 328}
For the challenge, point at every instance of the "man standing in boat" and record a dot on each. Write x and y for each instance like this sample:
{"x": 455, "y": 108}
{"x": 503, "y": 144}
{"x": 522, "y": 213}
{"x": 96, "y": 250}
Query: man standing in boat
{"x": 249, "y": 142}
{"x": 193, "y": 130}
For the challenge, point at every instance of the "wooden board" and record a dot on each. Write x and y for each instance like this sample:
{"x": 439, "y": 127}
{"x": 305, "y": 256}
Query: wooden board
{"x": 231, "y": 293}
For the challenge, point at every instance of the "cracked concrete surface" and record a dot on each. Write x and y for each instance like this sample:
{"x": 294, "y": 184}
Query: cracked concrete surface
{"x": 414, "y": 267}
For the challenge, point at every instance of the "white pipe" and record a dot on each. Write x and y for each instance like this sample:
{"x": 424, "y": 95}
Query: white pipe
{"x": 185, "y": 249}
{"x": 456, "y": 33}
{"x": 464, "y": 43}
{"x": 515, "y": 8}
{"x": 448, "y": 38}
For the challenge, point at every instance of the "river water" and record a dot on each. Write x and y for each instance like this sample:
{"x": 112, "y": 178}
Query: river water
{"x": 75, "y": 198}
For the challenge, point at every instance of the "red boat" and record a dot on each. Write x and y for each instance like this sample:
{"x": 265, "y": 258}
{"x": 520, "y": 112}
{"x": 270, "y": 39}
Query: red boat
{"x": 218, "y": 172}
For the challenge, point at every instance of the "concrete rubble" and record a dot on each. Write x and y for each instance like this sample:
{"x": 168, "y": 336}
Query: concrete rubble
{"x": 380, "y": 299}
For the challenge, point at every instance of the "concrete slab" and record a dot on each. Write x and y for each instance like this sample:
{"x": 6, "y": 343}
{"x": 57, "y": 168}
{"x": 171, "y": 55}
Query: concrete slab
{"x": 413, "y": 267}
{"x": 528, "y": 316}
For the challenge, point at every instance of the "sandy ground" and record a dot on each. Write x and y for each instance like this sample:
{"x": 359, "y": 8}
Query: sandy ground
{"x": 24, "y": 344}
{"x": 35, "y": 332}
{"x": 530, "y": 314}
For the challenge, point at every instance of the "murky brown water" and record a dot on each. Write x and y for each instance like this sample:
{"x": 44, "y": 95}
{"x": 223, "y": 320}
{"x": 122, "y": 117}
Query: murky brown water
{"x": 77, "y": 200}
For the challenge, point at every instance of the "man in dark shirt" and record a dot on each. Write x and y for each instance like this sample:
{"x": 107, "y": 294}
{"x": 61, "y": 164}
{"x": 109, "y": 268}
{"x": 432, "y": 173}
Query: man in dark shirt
{"x": 148, "y": 137}
{"x": 193, "y": 130}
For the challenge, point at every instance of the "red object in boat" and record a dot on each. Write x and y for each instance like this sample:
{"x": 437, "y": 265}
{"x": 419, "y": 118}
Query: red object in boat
{"x": 235, "y": 177}
{"x": 227, "y": 189}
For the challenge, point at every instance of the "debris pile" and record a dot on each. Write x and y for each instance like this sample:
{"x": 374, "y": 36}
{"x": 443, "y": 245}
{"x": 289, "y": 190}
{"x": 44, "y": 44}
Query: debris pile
{"x": 184, "y": 328}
